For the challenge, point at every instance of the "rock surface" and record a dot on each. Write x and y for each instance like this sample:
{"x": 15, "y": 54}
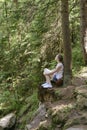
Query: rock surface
{"x": 78, "y": 127}
{"x": 81, "y": 93}
{"x": 40, "y": 116}
{"x": 46, "y": 94}
{"x": 8, "y": 121}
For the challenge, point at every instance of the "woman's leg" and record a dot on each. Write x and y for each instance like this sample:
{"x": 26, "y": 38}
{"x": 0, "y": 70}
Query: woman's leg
{"x": 48, "y": 79}
{"x": 48, "y": 82}
{"x": 46, "y": 71}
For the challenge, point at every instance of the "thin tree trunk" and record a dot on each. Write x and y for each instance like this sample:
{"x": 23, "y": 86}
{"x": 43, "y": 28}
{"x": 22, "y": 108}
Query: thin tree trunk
{"x": 83, "y": 5}
{"x": 6, "y": 12}
{"x": 66, "y": 43}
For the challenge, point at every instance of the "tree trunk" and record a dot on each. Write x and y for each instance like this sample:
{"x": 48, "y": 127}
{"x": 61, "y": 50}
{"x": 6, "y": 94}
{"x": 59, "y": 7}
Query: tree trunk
{"x": 7, "y": 23}
{"x": 83, "y": 5}
{"x": 66, "y": 43}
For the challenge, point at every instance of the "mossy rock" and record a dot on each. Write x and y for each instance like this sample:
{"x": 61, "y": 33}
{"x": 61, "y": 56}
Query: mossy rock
{"x": 61, "y": 115}
{"x": 81, "y": 96}
{"x": 24, "y": 109}
{"x": 76, "y": 121}
{"x": 81, "y": 102}
{"x": 81, "y": 91}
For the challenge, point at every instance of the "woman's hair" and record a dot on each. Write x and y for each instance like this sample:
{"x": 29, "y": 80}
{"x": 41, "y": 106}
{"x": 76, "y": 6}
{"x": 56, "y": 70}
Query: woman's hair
{"x": 60, "y": 58}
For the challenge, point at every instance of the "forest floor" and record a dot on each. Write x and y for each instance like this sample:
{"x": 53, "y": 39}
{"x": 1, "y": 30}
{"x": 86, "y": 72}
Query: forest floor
{"x": 59, "y": 112}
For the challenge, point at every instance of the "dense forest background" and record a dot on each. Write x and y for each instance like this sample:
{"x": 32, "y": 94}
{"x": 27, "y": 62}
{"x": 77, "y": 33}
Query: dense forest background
{"x": 30, "y": 37}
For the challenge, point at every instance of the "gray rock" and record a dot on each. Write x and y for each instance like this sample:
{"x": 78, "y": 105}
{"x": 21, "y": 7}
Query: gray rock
{"x": 8, "y": 121}
{"x": 39, "y": 116}
{"x": 28, "y": 127}
{"x": 78, "y": 127}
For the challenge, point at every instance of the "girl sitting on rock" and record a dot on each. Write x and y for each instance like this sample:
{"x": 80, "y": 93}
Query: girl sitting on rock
{"x": 55, "y": 74}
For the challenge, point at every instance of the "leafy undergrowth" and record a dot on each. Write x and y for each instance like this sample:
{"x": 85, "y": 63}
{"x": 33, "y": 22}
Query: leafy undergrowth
{"x": 25, "y": 107}
{"x": 27, "y": 110}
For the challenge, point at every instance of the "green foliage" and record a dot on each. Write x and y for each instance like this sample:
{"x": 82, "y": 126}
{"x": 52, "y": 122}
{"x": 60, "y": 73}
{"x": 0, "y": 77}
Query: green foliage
{"x": 77, "y": 58}
{"x": 74, "y": 21}
{"x": 28, "y": 109}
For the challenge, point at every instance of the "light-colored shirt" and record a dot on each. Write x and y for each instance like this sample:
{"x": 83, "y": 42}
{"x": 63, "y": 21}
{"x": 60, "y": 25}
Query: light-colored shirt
{"x": 59, "y": 74}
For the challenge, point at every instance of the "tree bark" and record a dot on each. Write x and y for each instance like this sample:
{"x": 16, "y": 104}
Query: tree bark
{"x": 83, "y": 5}
{"x": 66, "y": 43}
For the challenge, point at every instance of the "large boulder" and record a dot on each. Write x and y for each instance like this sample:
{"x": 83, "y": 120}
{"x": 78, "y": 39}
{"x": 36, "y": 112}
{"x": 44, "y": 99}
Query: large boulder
{"x": 8, "y": 121}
